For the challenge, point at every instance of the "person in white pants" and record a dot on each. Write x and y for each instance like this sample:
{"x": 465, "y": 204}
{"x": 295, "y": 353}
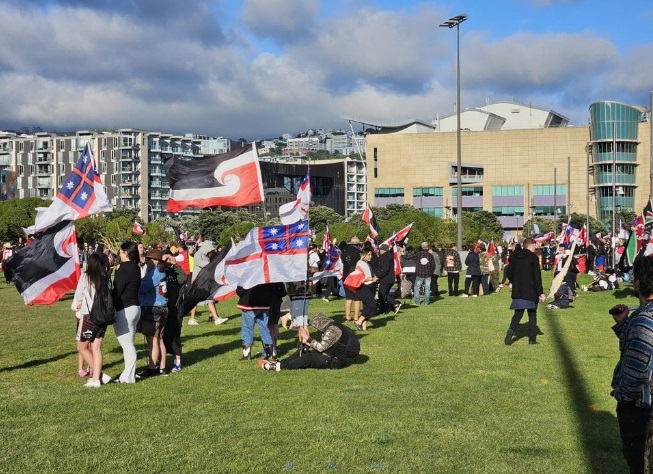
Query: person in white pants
{"x": 126, "y": 283}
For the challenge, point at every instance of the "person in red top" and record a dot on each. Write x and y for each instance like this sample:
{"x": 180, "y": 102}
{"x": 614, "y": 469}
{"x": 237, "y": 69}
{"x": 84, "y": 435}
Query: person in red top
{"x": 181, "y": 256}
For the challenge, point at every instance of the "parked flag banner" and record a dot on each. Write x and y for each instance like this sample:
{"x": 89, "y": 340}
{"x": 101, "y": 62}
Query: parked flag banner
{"x": 231, "y": 179}
{"x": 297, "y": 210}
{"x": 80, "y": 196}
{"x": 138, "y": 229}
{"x": 47, "y": 268}
{"x": 269, "y": 255}
{"x": 210, "y": 283}
{"x": 370, "y": 220}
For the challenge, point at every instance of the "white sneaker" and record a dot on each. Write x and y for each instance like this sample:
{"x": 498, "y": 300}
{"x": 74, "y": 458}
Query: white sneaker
{"x": 326, "y": 300}
{"x": 93, "y": 383}
{"x": 464, "y": 296}
{"x": 221, "y": 321}
{"x": 397, "y": 308}
{"x": 106, "y": 378}
{"x": 193, "y": 322}
{"x": 474, "y": 296}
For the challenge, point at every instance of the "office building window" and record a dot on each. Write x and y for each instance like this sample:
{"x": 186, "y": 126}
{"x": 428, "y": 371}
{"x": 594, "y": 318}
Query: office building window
{"x": 388, "y": 192}
{"x": 547, "y": 189}
{"x": 468, "y": 191}
{"x": 508, "y": 210}
{"x": 434, "y": 211}
{"x": 428, "y": 192}
{"x": 507, "y": 191}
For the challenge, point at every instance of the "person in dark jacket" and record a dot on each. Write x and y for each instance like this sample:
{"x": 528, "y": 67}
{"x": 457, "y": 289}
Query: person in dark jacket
{"x": 350, "y": 256}
{"x": 254, "y": 304}
{"x": 424, "y": 267}
{"x": 386, "y": 274}
{"x": 330, "y": 352}
{"x": 175, "y": 278}
{"x": 526, "y": 276}
{"x": 452, "y": 266}
{"x": 473, "y": 263}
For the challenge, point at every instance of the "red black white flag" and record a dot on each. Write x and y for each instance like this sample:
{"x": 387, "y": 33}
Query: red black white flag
{"x": 400, "y": 236}
{"x": 47, "y": 268}
{"x": 370, "y": 220}
{"x": 231, "y": 179}
{"x": 137, "y": 228}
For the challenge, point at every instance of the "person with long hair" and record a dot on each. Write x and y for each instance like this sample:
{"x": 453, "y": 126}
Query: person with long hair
{"x": 126, "y": 284}
{"x": 90, "y": 335}
{"x": 365, "y": 293}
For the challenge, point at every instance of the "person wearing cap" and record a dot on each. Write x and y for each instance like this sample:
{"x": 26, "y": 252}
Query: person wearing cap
{"x": 425, "y": 264}
{"x": 386, "y": 274}
{"x": 153, "y": 299}
{"x": 201, "y": 259}
{"x": 330, "y": 352}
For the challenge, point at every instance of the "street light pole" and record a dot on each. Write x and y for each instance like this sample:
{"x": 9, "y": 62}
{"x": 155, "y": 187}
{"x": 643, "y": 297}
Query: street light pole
{"x": 450, "y": 23}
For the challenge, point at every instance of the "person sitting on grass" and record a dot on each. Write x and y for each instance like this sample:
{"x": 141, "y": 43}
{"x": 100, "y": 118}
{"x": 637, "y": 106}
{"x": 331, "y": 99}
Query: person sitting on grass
{"x": 336, "y": 344}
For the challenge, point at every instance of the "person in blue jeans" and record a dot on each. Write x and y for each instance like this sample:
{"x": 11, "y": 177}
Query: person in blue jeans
{"x": 254, "y": 304}
{"x": 425, "y": 265}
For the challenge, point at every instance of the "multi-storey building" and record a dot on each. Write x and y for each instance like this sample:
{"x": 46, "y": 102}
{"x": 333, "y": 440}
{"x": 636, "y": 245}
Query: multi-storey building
{"x": 518, "y": 172}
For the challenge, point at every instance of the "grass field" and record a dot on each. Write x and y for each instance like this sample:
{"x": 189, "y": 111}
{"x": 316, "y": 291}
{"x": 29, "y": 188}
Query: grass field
{"x": 435, "y": 390}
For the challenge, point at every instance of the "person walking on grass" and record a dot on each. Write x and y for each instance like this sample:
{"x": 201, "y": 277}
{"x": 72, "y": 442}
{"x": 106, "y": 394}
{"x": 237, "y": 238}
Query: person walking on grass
{"x": 90, "y": 335}
{"x": 631, "y": 382}
{"x": 526, "y": 276}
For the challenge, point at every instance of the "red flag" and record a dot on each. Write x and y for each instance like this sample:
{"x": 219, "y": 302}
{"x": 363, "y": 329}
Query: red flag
{"x": 582, "y": 235}
{"x": 491, "y": 249}
{"x": 396, "y": 259}
{"x": 354, "y": 280}
{"x": 232, "y": 179}
{"x": 138, "y": 229}
{"x": 370, "y": 220}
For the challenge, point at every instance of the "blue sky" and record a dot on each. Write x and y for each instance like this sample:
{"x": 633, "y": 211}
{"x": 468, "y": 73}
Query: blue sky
{"x": 260, "y": 68}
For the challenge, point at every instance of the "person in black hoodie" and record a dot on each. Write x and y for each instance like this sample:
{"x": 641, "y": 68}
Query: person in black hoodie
{"x": 254, "y": 304}
{"x": 526, "y": 277}
{"x": 386, "y": 274}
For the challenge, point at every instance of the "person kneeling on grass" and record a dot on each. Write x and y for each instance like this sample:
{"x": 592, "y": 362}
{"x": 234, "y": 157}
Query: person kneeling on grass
{"x": 336, "y": 344}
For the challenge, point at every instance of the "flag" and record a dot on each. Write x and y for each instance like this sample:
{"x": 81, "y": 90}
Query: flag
{"x": 80, "y": 196}
{"x": 491, "y": 249}
{"x": 354, "y": 280}
{"x": 544, "y": 238}
{"x": 332, "y": 263}
{"x": 477, "y": 248}
{"x": 269, "y": 255}
{"x": 48, "y": 268}
{"x": 297, "y": 210}
{"x": 370, "y": 241}
{"x": 200, "y": 241}
{"x": 230, "y": 179}
{"x": 536, "y": 229}
{"x": 635, "y": 242}
{"x": 582, "y": 235}
{"x": 624, "y": 233}
{"x": 399, "y": 236}
{"x": 210, "y": 283}
{"x": 138, "y": 229}
{"x": 647, "y": 214}
{"x": 370, "y": 220}
{"x": 396, "y": 259}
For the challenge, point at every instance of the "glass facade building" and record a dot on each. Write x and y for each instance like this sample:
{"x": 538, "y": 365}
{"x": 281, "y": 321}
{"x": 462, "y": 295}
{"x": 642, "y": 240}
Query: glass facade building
{"x": 613, "y": 139}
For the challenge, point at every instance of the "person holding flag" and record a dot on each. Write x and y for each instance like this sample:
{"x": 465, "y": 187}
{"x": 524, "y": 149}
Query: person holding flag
{"x": 386, "y": 274}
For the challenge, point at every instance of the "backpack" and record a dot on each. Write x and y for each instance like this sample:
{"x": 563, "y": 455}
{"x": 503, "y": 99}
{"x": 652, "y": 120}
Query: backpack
{"x": 353, "y": 346}
{"x": 103, "y": 312}
{"x": 405, "y": 288}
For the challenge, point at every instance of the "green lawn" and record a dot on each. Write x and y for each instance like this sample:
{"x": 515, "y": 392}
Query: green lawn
{"x": 435, "y": 390}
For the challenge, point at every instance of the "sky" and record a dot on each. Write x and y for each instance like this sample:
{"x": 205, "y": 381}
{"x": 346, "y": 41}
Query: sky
{"x": 257, "y": 69}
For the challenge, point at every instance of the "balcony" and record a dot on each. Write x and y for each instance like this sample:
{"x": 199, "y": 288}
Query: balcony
{"x": 44, "y": 182}
{"x": 43, "y": 157}
{"x": 155, "y": 146}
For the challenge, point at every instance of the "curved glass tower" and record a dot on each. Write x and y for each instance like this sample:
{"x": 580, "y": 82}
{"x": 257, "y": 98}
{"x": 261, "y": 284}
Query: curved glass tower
{"x": 613, "y": 135}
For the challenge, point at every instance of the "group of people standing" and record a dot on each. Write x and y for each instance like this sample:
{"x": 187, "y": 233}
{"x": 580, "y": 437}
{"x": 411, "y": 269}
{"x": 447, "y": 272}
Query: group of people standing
{"x": 144, "y": 291}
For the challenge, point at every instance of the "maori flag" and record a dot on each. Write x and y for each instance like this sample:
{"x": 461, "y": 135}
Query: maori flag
{"x": 209, "y": 283}
{"x": 231, "y": 179}
{"x": 370, "y": 220}
{"x": 48, "y": 267}
{"x": 297, "y": 210}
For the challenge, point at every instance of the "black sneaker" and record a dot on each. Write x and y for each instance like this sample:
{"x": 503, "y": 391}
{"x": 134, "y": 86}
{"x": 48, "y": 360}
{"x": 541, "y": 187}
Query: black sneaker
{"x": 148, "y": 373}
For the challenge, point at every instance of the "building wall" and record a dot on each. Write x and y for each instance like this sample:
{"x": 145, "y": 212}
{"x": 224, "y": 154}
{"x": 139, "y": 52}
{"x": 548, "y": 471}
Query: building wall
{"x": 509, "y": 157}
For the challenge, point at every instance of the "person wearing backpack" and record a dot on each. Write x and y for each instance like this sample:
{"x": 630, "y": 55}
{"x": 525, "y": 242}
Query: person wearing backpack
{"x": 337, "y": 343}
{"x": 94, "y": 282}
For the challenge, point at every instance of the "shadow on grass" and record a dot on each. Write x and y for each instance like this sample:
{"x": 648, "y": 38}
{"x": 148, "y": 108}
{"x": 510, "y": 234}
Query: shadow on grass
{"x": 37, "y": 362}
{"x": 624, "y": 292}
{"x": 597, "y": 429}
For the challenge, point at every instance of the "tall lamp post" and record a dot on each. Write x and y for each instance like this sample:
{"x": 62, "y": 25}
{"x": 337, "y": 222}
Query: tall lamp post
{"x": 450, "y": 23}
